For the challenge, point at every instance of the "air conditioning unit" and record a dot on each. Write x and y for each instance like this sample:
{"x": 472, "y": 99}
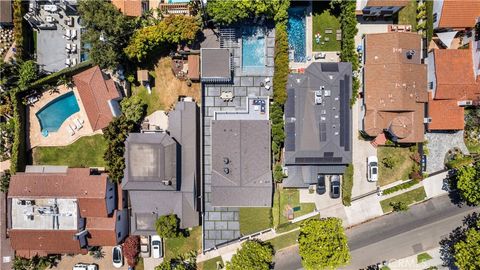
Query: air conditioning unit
{"x": 427, "y": 120}
{"x": 167, "y": 182}
{"x": 465, "y": 103}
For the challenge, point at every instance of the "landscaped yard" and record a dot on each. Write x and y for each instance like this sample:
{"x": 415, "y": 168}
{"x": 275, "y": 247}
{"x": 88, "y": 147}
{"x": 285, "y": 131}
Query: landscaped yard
{"x": 182, "y": 245}
{"x": 85, "y": 152}
{"x": 285, "y": 240}
{"x": 210, "y": 264}
{"x": 152, "y": 100}
{"x": 402, "y": 164}
{"x": 409, "y": 197}
{"x": 408, "y": 14}
{"x": 323, "y": 19}
{"x": 291, "y": 197}
{"x": 423, "y": 257}
{"x": 473, "y": 148}
{"x": 255, "y": 219}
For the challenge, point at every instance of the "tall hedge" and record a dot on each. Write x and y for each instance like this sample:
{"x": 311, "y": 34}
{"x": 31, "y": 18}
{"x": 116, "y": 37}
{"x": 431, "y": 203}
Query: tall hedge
{"x": 18, "y": 159}
{"x": 280, "y": 75}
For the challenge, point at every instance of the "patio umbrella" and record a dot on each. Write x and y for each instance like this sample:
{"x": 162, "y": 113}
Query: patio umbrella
{"x": 447, "y": 37}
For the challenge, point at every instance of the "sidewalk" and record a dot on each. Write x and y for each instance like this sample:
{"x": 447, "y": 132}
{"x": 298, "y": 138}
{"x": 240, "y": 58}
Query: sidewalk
{"x": 411, "y": 263}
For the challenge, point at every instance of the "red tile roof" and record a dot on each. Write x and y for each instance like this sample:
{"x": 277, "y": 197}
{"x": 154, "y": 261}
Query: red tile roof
{"x": 102, "y": 231}
{"x": 95, "y": 91}
{"x": 129, "y": 7}
{"x": 459, "y": 13}
{"x": 445, "y": 115}
{"x": 32, "y": 242}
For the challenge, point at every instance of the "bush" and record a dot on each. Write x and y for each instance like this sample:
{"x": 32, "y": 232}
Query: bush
{"x": 19, "y": 27}
{"x": 402, "y": 186}
{"x": 168, "y": 226}
{"x": 278, "y": 173}
{"x": 389, "y": 162}
{"x": 459, "y": 162}
{"x": 399, "y": 206}
{"x": 252, "y": 255}
{"x": 5, "y": 181}
{"x": 347, "y": 186}
{"x": 19, "y": 148}
{"x": 131, "y": 248}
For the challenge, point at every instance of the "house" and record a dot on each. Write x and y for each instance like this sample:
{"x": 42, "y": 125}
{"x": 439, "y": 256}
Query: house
{"x": 318, "y": 128}
{"x": 383, "y": 9}
{"x": 161, "y": 172}
{"x": 395, "y": 87}
{"x": 134, "y": 8}
{"x": 6, "y": 12}
{"x": 99, "y": 96}
{"x": 453, "y": 85}
{"x": 454, "y": 14}
{"x": 60, "y": 210}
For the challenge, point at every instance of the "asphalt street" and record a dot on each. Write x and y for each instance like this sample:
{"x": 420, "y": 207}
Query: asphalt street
{"x": 393, "y": 236}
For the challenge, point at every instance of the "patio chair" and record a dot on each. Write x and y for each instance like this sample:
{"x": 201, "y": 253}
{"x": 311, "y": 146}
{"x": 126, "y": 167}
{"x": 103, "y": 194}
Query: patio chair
{"x": 267, "y": 87}
{"x": 267, "y": 80}
{"x": 70, "y": 130}
{"x": 77, "y": 123}
{"x": 74, "y": 34}
{"x": 328, "y": 31}
{"x": 68, "y": 34}
{"x": 327, "y": 39}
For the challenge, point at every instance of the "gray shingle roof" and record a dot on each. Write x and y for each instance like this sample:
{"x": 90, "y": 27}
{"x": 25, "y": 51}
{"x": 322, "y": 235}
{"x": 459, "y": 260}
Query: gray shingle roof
{"x": 241, "y": 174}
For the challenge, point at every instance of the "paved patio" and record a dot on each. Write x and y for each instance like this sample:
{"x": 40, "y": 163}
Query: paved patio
{"x": 438, "y": 146}
{"x": 68, "y": 262}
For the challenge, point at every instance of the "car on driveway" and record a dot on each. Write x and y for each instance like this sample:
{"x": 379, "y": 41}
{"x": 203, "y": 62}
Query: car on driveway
{"x": 321, "y": 188}
{"x": 156, "y": 247}
{"x": 335, "y": 186}
{"x": 372, "y": 168}
{"x": 85, "y": 266}
{"x": 117, "y": 256}
{"x": 145, "y": 246}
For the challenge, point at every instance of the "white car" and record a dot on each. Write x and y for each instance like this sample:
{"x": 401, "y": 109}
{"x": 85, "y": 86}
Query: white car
{"x": 157, "y": 248}
{"x": 117, "y": 256}
{"x": 318, "y": 97}
{"x": 85, "y": 266}
{"x": 372, "y": 168}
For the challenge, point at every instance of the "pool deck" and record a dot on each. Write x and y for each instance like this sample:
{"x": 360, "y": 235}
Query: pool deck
{"x": 61, "y": 137}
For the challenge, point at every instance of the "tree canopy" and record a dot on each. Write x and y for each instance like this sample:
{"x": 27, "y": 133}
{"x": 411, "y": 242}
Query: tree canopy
{"x": 186, "y": 261}
{"x": 252, "y": 255}
{"x": 28, "y": 72}
{"x": 467, "y": 252}
{"x": 323, "y": 244}
{"x": 170, "y": 31}
{"x": 226, "y": 12}
{"x": 168, "y": 226}
{"x": 468, "y": 183}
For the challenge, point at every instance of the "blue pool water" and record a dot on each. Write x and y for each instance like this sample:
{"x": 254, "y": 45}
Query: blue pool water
{"x": 177, "y": 1}
{"x": 296, "y": 33}
{"x": 253, "y": 47}
{"x": 52, "y": 115}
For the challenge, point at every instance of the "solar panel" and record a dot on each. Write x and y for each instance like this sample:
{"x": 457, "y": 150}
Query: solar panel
{"x": 317, "y": 160}
{"x": 345, "y": 113}
{"x": 323, "y": 131}
{"x": 329, "y": 67}
{"x": 290, "y": 104}
{"x": 290, "y": 137}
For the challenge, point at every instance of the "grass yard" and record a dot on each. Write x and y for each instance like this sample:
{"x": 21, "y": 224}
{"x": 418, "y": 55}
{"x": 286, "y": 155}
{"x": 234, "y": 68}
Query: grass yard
{"x": 423, "y": 257}
{"x": 401, "y": 169}
{"x": 182, "y": 245}
{"x": 409, "y": 197}
{"x": 85, "y": 152}
{"x": 290, "y": 197}
{"x": 255, "y": 219}
{"x": 140, "y": 265}
{"x": 321, "y": 21}
{"x": 285, "y": 240}
{"x": 286, "y": 227}
{"x": 408, "y": 14}
{"x": 210, "y": 264}
{"x": 152, "y": 100}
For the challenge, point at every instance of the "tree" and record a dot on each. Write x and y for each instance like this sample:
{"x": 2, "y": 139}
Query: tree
{"x": 133, "y": 108}
{"x": 168, "y": 226}
{"x": 252, "y": 255}
{"x": 186, "y": 261}
{"x": 389, "y": 162}
{"x": 35, "y": 263}
{"x": 4, "y": 181}
{"x": 131, "y": 248}
{"x": 28, "y": 72}
{"x": 468, "y": 184}
{"x": 323, "y": 244}
{"x": 399, "y": 206}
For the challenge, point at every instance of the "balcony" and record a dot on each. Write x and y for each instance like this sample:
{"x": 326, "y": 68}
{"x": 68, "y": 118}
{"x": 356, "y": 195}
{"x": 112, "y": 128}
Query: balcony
{"x": 175, "y": 9}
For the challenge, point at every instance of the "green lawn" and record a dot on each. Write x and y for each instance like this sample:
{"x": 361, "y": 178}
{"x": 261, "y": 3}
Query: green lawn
{"x": 182, "y": 245}
{"x": 85, "y": 152}
{"x": 152, "y": 100}
{"x": 473, "y": 148}
{"x": 423, "y": 257}
{"x": 408, "y": 14}
{"x": 255, "y": 219}
{"x": 402, "y": 168}
{"x": 289, "y": 197}
{"x": 321, "y": 21}
{"x": 285, "y": 240}
{"x": 285, "y": 227}
{"x": 409, "y": 197}
{"x": 140, "y": 265}
{"x": 210, "y": 264}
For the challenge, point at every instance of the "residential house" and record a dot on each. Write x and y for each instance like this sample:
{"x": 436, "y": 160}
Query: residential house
{"x": 161, "y": 172}
{"x": 395, "y": 87}
{"x": 100, "y": 96}
{"x": 318, "y": 126}
{"x": 6, "y": 12}
{"x": 60, "y": 210}
{"x": 383, "y": 9}
{"x": 174, "y": 7}
{"x": 134, "y": 8}
{"x": 454, "y": 14}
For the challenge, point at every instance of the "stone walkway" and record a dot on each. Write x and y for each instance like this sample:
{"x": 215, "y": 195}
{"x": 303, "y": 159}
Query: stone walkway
{"x": 438, "y": 145}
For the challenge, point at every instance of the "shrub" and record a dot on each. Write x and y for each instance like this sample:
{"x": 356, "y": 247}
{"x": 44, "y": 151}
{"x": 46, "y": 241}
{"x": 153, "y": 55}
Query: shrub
{"x": 278, "y": 173}
{"x": 396, "y": 188}
{"x": 347, "y": 186}
{"x": 168, "y": 226}
{"x": 131, "y": 248}
{"x": 19, "y": 147}
{"x": 281, "y": 68}
{"x": 459, "y": 162}
{"x": 5, "y": 181}
{"x": 252, "y": 255}
{"x": 389, "y": 162}
{"x": 399, "y": 206}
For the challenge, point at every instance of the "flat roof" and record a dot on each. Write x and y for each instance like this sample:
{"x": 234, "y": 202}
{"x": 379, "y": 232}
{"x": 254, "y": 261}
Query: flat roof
{"x": 215, "y": 64}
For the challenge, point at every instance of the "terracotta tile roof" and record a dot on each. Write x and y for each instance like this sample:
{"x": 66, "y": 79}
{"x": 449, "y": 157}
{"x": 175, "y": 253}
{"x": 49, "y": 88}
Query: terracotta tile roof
{"x": 445, "y": 115}
{"x": 95, "y": 91}
{"x": 193, "y": 67}
{"x": 387, "y": 3}
{"x": 459, "y": 13}
{"x": 31, "y": 242}
{"x": 102, "y": 231}
{"x": 395, "y": 86}
{"x": 129, "y": 7}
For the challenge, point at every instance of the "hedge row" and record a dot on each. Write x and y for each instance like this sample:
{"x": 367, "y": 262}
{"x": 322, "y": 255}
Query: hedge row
{"x": 18, "y": 28}
{"x": 281, "y": 64}
{"x": 18, "y": 159}
{"x": 396, "y": 188}
{"x": 347, "y": 186}
{"x": 53, "y": 78}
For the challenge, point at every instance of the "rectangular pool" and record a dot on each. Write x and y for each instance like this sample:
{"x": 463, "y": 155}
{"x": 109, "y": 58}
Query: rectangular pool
{"x": 296, "y": 33}
{"x": 253, "y": 47}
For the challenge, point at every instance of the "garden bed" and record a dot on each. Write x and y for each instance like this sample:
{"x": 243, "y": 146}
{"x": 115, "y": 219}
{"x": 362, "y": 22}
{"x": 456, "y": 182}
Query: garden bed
{"x": 410, "y": 197}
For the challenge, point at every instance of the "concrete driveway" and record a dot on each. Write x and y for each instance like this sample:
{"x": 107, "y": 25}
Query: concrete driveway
{"x": 151, "y": 263}
{"x": 68, "y": 262}
{"x": 321, "y": 201}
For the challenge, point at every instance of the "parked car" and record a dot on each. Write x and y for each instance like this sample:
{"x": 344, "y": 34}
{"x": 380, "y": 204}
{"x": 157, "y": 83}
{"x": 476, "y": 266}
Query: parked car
{"x": 318, "y": 97}
{"x": 372, "y": 169}
{"x": 85, "y": 266}
{"x": 335, "y": 186}
{"x": 156, "y": 246}
{"x": 117, "y": 256}
{"x": 145, "y": 246}
{"x": 321, "y": 188}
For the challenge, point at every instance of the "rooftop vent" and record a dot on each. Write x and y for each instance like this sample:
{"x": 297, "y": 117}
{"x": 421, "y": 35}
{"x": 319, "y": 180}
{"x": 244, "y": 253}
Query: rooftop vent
{"x": 226, "y": 170}
{"x": 226, "y": 160}
{"x": 167, "y": 182}
{"x": 410, "y": 54}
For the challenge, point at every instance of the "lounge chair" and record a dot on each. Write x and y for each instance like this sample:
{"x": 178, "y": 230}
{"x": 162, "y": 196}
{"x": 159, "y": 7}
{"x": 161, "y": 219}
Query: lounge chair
{"x": 74, "y": 34}
{"x": 78, "y": 124}
{"x": 70, "y": 130}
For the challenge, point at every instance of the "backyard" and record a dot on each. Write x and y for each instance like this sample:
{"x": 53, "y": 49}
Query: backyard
{"x": 152, "y": 100}
{"x": 408, "y": 14}
{"x": 288, "y": 197}
{"x": 255, "y": 219}
{"x": 324, "y": 19}
{"x": 85, "y": 152}
{"x": 409, "y": 197}
{"x": 394, "y": 164}
{"x": 182, "y": 245}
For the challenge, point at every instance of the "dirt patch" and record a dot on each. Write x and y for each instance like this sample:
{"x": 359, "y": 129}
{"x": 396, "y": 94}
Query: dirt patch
{"x": 169, "y": 88}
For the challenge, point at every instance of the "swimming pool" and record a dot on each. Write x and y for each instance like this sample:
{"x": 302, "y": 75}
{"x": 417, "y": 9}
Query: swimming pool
{"x": 296, "y": 33}
{"x": 253, "y": 47}
{"x": 52, "y": 115}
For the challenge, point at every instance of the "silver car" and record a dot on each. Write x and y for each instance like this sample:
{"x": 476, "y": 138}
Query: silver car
{"x": 372, "y": 169}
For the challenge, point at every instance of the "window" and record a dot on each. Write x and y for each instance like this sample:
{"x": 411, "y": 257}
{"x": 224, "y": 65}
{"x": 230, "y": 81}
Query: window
{"x": 118, "y": 218}
{"x": 435, "y": 17}
{"x": 119, "y": 234}
{"x": 430, "y": 85}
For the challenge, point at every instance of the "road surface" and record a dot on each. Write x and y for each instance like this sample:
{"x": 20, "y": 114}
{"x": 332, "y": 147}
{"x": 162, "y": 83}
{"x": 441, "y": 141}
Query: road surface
{"x": 393, "y": 236}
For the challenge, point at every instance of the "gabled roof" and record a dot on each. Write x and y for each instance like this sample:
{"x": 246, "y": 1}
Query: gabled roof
{"x": 96, "y": 92}
{"x": 102, "y": 230}
{"x": 459, "y": 13}
{"x": 129, "y": 7}
{"x": 445, "y": 115}
{"x": 31, "y": 242}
